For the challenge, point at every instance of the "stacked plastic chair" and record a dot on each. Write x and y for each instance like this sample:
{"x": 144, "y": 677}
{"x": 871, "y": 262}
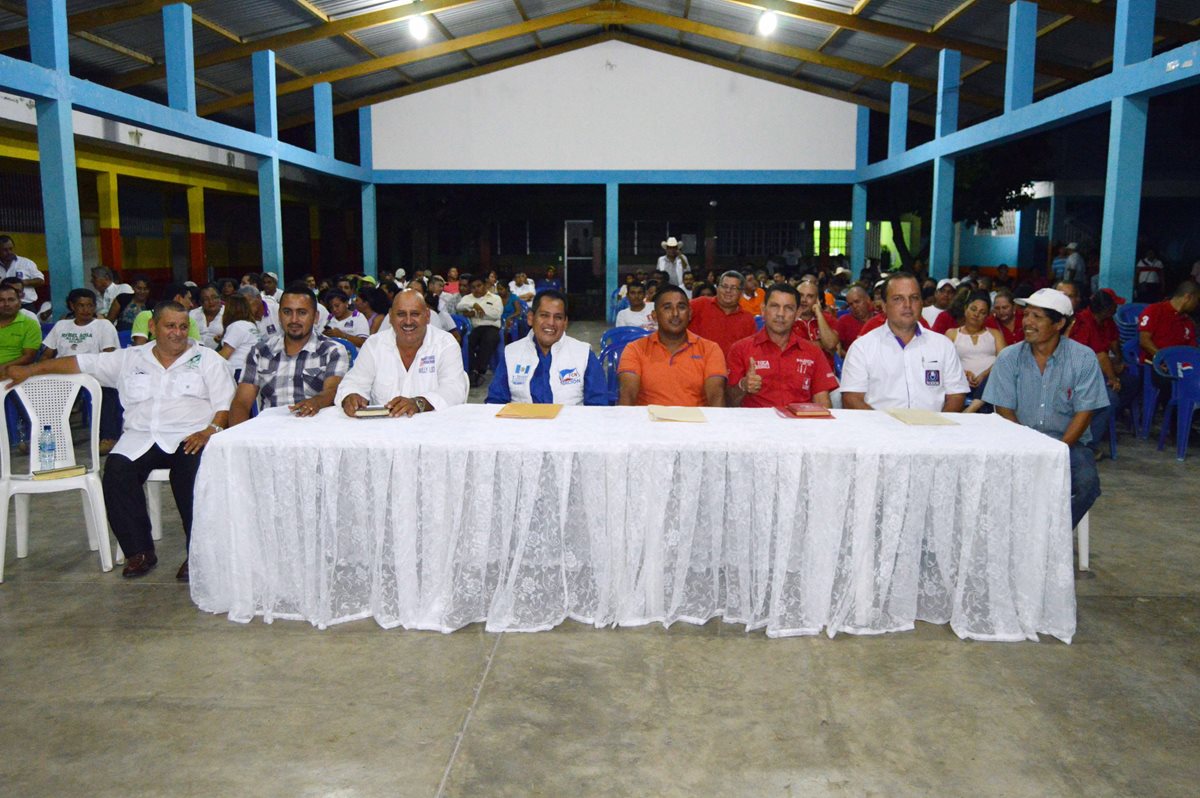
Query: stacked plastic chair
{"x": 612, "y": 344}
{"x": 1180, "y": 364}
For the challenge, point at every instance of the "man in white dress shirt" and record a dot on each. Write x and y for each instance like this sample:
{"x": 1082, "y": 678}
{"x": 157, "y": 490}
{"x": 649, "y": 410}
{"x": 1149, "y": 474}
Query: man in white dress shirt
{"x": 900, "y": 365}
{"x": 208, "y": 317}
{"x": 344, "y": 321}
{"x": 14, "y": 265}
{"x": 176, "y": 396}
{"x": 417, "y": 369}
{"x": 522, "y": 288}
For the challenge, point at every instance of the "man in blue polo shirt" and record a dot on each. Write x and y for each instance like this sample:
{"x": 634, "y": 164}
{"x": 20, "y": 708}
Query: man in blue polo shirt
{"x": 548, "y": 366}
{"x": 1052, "y": 384}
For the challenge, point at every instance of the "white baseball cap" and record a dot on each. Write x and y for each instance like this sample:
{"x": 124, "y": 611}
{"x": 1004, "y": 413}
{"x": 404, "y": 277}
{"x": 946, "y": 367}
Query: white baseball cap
{"x": 1051, "y": 300}
{"x": 947, "y": 281}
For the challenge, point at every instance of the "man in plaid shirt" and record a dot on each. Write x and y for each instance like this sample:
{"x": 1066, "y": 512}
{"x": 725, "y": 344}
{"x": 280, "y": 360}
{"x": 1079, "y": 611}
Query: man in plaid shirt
{"x": 300, "y": 369}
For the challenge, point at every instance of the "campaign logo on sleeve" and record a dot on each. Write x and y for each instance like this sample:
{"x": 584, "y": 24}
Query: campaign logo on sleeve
{"x": 933, "y": 377}
{"x": 569, "y": 377}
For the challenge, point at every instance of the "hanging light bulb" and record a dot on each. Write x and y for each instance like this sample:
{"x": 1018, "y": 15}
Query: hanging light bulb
{"x": 767, "y": 23}
{"x": 418, "y": 26}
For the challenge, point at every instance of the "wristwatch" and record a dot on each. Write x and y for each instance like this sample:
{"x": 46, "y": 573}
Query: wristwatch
{"x": 215, "y": 428}
{"x": 422, "y": 405}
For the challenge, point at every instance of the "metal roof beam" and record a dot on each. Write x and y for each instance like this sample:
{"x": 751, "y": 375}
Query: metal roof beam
{"x": 1106, "y": 15}
{"x": 903, "y": 33}
{"x": 282, "y": 41}
{"x": 322, "y": 17}
{"x": 589, "y": 15}
{"x": 90, "y": 19}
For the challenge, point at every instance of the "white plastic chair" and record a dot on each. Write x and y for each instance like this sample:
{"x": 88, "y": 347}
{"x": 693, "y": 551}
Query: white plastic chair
{"x": 48, "y": 400}
{"x": 1082, "y": 532}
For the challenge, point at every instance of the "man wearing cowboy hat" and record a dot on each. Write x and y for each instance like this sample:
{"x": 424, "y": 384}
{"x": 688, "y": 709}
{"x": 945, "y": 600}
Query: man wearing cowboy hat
{"x": 1052, "y": 384}
{"x": 674, "y": 262}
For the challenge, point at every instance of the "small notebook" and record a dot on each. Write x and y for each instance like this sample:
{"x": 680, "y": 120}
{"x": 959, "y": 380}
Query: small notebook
{"x": 59, "y": 473}
{"x": 687, "y": 414}
{"x": 804, "y": 410}
{"x": 528, "y": 410}
{"x": 920, "y": 418}
{"x": 372, "y": 411}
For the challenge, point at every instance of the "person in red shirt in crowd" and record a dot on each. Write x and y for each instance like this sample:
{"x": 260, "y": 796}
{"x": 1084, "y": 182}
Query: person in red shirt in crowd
{"x": 775, "y": 367}
{"x": 1006, "y": 317}
{"x": 880, "y": 317}
{"x": 1094, "y": 328}
{"x": 721, "y": 319}
{"x": 1169, "y": 323}
{"x": 813, "y": 322}
{"x": 952, "y": 316}
{"x": 849, "y": 326}
{"x": 1071, "y": 289}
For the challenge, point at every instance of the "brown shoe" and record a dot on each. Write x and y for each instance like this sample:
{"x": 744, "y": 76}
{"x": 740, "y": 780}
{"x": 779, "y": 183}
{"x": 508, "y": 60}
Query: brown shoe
{"x": 182, "y": 573}
{"x": 140, "y": 564}
{"x": 107, "y": 445}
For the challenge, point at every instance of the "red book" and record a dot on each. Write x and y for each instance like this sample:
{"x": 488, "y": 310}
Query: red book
{"x": 804, "y": 410}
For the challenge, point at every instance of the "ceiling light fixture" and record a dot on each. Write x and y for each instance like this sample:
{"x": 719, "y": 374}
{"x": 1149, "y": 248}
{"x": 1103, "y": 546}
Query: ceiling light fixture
{"x": 767, "y": 23}
{"x": 418, "y": 26}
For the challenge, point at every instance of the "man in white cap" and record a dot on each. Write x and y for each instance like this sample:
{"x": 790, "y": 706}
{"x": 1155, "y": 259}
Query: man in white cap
{"x": 1052, "y": 384}
{"x": 673, "y": 262}
{"x": 1075, "y": 267}
{"x": 941, "y": 300}
{"x": 270, "y": 287}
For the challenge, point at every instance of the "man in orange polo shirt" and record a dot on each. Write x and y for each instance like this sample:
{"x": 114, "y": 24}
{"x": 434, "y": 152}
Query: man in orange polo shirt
{"x": 673, "y": 366}
{"x": 776, "y": 367}
{"x": 752, "y": 296}
{"x": 721, "y": 319}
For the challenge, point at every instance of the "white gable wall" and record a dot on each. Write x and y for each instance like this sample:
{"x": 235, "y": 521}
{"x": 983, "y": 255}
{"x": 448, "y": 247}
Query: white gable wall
{"x": 614, "y": 106}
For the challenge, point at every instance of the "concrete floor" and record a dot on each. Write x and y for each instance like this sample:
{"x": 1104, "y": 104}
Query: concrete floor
{"x": 120, "y": 688}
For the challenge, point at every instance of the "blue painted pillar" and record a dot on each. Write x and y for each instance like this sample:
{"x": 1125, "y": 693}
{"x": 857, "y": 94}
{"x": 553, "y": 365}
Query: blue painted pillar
{"x": 370, "y": 234}
{"x": 1022, "y": 48}
{"x": 898, "y": 120}
{"x": 611, "y": 243}
{"x": 1132, "y": 42}
{"x": 858, "y": 196}
{"x": 266, "y": 123}
{"x": 56, "y": 153}
{"x": 323, "y": 118}
{"x": 941, "y": 228}
{"x": 181, "y": 66}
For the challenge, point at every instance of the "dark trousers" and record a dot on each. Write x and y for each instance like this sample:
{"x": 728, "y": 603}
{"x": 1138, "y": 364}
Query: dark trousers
{"x": 482, "y": 345}
{"x": 1085, "y": 482}
{"x": 124, "y": 494}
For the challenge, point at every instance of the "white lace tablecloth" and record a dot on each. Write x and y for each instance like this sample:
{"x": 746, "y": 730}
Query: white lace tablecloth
{"x": 860, "y": 524}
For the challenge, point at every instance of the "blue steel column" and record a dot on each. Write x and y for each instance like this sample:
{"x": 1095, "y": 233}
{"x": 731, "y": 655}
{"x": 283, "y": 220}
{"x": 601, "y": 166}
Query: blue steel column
{"x": 941, "y": 229}
{"x": 858, "y": 197}
{"x": 611, "y": 249}
{"x": 370, "y": 234}
{"x": 266, "y": 123}
{"x": 1133, "y": 42}
{"x": 56, "y": 153}
{"x": 181, "y": 67}
{"x": 898, "y": 120}
{"x": 1022, "y": 44}
{"x": 323, "y": 118}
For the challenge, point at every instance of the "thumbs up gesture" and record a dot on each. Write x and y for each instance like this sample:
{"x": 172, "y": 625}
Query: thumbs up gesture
{"x": 752, "y": 382}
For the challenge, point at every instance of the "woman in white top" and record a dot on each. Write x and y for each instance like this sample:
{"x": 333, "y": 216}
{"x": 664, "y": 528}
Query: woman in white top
{"x": 241, "y": 333}
{"x": 977, "y": 346}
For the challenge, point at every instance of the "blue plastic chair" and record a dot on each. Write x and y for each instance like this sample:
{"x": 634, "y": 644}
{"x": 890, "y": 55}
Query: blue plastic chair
{"x": 124, "y": 338}
{"x": 759, "y": 322}
{"x": 610, "y": 357}
{"x": 47, "y": 326}
{"x": 615, "y": 306}
{"x": 1181, "y": 364}
{"x": 351, "y": 348}
{"x": 1126, "y": 320}
{"x": 619, "y": 336}
{"x": 464, "y": 331}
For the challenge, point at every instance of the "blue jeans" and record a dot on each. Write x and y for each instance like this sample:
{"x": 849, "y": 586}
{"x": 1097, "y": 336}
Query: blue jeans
{"x": 1085, "y": 482}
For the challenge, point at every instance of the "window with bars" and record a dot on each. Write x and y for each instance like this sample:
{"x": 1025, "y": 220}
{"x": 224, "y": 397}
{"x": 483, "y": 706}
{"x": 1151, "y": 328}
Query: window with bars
{"x": 1041, "y": 225}
{"x": 758, "y": 239}
{"x": 1006, "y": 225}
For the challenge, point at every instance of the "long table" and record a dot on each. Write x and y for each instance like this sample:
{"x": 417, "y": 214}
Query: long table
{"x": 859, "y": 524}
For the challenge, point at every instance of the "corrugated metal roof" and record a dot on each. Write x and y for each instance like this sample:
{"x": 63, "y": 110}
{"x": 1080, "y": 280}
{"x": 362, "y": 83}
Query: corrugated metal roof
{"x": 565, "y": 33}
{"x": 504, "y": 49}
{"x": 540, "y": 8}
{"x": 233, "y": 75}
{"x": 777, "y": 63}
{"x": 321, "y": 56}
{"x": 711, "y": 46}
{"x": 920, "y": 14}
{"x": 88, "y": 58}
{"x": 479, "y": 16}
{"x": 432, "y": 67}
{"x": 253, "y": 19}
{"x": 864, "y": 47}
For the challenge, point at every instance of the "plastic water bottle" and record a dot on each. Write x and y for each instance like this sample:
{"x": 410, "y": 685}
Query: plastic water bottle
{"x": 46, "y": 455}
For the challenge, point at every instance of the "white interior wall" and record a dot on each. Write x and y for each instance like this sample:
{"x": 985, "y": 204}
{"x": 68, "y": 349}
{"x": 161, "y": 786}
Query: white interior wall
{"x": 614, "y": 106}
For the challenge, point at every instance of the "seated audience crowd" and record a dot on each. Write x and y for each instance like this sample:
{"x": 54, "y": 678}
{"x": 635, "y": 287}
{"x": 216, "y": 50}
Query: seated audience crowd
{"x": 202, "y": 359}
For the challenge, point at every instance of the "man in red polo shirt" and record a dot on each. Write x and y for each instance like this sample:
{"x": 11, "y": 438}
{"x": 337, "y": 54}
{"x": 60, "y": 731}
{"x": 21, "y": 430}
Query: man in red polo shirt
{"x": 813, "y": 322}
{"x": 1169, "y": 323}
{"x": 849, "y": 326}
{"x": 775, "y": 367}
{"x": 721, "y": 319}
{"x": 672, "y": 366}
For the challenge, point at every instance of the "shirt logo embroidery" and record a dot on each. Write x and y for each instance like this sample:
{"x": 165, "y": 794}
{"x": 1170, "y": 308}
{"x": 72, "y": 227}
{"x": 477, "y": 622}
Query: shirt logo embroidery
{"x": 569, "y": 377}
{"x": 803, "y": 366}
{"x": 521, "y": 374}
{"x": 428, "y": 365}
{"x": 762, "y": 364}
{"x": 933, "y": 377}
